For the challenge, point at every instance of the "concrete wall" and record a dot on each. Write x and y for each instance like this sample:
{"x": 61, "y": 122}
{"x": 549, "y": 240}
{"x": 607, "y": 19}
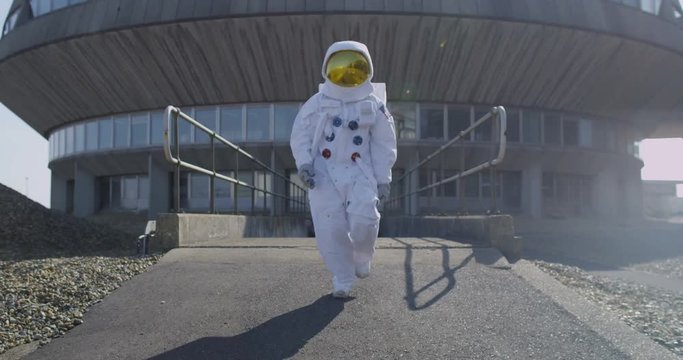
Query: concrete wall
{"x": 497, "y": 231}
{"x": 178, "y": 230}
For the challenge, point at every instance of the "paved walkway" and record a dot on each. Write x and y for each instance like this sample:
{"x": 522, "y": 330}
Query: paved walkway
{"x": 268, "y": 299}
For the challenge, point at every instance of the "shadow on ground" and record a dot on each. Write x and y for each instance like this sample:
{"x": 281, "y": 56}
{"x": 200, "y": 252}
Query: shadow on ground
{"x": 448, "y": 274}
{"x": 277, "y": 338}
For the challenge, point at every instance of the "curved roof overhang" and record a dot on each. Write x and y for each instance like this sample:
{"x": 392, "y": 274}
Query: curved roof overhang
{"x": 503, "y": 56}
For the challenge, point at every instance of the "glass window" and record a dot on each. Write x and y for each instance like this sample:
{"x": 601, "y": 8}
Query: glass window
{"x": 548, "y": 186}
{"x": 570, "y": 132}
{"x": 585, "y": 133}
{"x": 552, "y": 133}
{"x": 405, "y": 119}
{"x": 58, "y": 4}
{"x": 54, "y": 145}
{"x": 62, "y": 142}
{"x": 184, "y": 127}
{"x": 611, "y": 138}
{"x": 246, "y": 177}
{"x": 121, "y": 127}
{"x": 424, "y": 181}
{"x": 472, "y": 186}
{"x": 40, "y": 7}
{"x": 261, "y": 181}
{"x": 106, "y": 134}
{"x": 513, "y": 125}
{"x": 143, "y": 187}
{"x": 258, "y": 122}
{"x": 91, "y": 136}
{"x": 485, "y": 184}
{"x": 431, "y": 122}
{"x": 138, "y": 130}
{"x": 80, "y": 137}
{"x": 231, "y": 122}
{"x": 206, "y": 117}
{"x": 69, "y": 140}
{"x": 184, "y": 196}
{"x": 450, "y": 189}
{"x": 157, "y": 128}
{"x": 50, "y": 147}
{"x": 130, "y": 187}
{"x": 483, "y": 131}
{"x": 458, "y": 120}
{"x": 284, "y": 120}
{"x": 651, "y": 6}
{"x": 531, "y": 127}
{"x": 199, "y": 186}
{"x": 604, "y": 136}
{"x": 222, "y": 187}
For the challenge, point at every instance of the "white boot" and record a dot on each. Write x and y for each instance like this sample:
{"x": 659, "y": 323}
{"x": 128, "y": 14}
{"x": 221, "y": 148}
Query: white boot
{"x": 363, "y": 270}
{"x": 340, "y": 294}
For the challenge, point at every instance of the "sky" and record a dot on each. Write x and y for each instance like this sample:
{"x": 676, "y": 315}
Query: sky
{"x": 24, "y": 153}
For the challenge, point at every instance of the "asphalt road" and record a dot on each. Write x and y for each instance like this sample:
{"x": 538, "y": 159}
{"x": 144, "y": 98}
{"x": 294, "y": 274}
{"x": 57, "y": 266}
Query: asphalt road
{"x": 423, "y": 300}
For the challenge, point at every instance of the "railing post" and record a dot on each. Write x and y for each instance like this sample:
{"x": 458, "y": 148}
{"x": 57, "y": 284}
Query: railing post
{"x": 212, "y": 182}
{"x": 235, "y": 186}
{"x": 176, "y": 135}
{"x": 253, "y": 200}
{"x": 265, "y": 193}
{"x": 410, "y": 197}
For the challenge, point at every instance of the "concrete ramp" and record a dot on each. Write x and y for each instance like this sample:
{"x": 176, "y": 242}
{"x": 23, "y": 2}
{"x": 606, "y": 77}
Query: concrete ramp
{"x": 268, "y": 299}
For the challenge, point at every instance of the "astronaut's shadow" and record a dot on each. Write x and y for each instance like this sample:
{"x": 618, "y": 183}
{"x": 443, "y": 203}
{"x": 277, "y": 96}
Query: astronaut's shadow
{"x": 448, "y": 275}
{"x": 280, "y": 337}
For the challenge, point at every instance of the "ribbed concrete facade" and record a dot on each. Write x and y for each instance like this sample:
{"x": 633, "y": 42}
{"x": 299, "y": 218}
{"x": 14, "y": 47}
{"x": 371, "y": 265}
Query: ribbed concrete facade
{"x": 583, "y": 81}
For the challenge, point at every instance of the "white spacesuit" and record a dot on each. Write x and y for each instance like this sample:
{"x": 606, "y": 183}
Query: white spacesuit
{"x": 344, "y": 144}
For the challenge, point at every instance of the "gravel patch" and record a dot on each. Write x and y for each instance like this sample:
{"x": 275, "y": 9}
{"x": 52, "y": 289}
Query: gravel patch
{"x": 653, "y": 312}
{"x": 671, "y": 268}
{"x": 29, "y": 230}
{"x": 42, "y": 299}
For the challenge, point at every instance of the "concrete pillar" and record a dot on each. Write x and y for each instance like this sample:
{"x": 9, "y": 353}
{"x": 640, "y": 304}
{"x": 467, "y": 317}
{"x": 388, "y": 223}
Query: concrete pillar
{"x": 58, "y": 192}
{"x": 84, "y": 192}
{"x": 159, "y": 189}
{"x": 606, "y": 193}
{"x": 532, "y": 190}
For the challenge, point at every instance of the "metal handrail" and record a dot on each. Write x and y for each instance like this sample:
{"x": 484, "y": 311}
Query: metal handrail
{"x": 496, "y": 112}
{"x": 172, "y": 116}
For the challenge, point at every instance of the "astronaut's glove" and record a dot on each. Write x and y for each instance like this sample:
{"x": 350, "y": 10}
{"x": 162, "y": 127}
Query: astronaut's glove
{"x": 306, "y": 174}
{"x": 383, "y": 191}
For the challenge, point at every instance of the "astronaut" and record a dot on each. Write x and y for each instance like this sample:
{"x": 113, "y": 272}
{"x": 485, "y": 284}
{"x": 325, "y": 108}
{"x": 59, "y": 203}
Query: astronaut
{"x": 344, "y": 144}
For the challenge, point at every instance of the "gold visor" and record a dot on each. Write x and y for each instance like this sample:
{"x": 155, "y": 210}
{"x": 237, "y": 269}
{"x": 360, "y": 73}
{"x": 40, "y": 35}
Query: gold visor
{"x": 347, "y": 68}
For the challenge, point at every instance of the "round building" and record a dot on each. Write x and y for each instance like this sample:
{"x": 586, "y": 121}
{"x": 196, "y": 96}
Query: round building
{"x": 582, "y": 81}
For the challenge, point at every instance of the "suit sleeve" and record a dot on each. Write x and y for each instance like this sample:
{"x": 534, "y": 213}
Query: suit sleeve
{"x": 383, "y": 145}
{"x": 301, "y": 140}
